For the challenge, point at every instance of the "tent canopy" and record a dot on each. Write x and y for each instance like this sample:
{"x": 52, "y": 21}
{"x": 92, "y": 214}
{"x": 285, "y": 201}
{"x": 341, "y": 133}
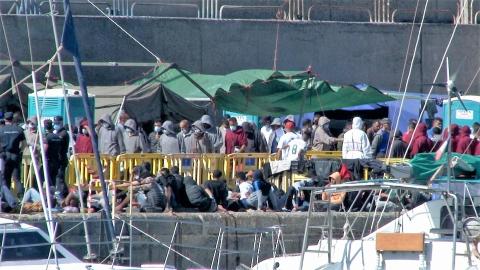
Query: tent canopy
{"x": 267, "y": 92}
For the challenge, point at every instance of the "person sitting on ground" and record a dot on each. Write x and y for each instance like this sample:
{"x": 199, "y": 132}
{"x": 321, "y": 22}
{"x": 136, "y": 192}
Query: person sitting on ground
{"x": 264, "y": 192}
{"x": 217, "y": 189}
{"x": 198, "y": 197}
{"x": 336, "y": 198}
{"x": 179, "y": 199}
{"x": 294, "y": 201}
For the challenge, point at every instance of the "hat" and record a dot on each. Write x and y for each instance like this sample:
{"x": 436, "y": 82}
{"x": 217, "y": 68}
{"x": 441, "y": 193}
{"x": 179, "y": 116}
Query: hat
{"x": 289, "y": 125}
{"x": 289, "y": 118}
{"x": 276, "y": 122}
{"x": 168, "y": 126}
{"x": 48, "y": 124}
{"x": 58, "y": 118}
{"x": 9, "y": 116}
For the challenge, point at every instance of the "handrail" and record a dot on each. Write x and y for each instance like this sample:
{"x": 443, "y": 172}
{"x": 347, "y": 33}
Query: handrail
{"x": 361, "y": 9}
{"x": 220, "y": 16}
{"x": 134, "y": 4}
{"x": 73, "y": 3}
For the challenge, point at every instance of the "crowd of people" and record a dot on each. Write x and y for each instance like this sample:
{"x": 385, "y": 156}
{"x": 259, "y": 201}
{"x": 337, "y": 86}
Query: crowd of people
{"x": 167, "y": 190}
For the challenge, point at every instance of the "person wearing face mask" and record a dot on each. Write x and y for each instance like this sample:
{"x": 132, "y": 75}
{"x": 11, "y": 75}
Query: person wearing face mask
{"x": 84, "y": 142}
{"x": 132, "y": 140}
{"x": 110, "y": 138}
{"x": 199, "y": 142}
{"x": 12, "y": 141}
{"x": 213, "y": 132}
{"x": 154, "y": 137}
{"x": 169, "y": 143}
{"x": 54, "y": 148}
{"x": 322, "y": 139}
{"x": 185, "y": 131}
{"x": 235, "y": 138}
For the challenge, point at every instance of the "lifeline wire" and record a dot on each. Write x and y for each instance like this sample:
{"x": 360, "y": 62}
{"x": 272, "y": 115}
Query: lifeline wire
{"x": 436, "y": 77}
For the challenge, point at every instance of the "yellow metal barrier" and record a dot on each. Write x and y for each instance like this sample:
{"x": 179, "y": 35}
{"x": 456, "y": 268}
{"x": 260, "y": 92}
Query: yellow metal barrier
{"x": 188, "y": 164}
{"x": 246, "y": 161}
{"x": 126, "y": 162}
{"x": 87, "y": 169}
{"x": 212, "y": 162}
{"x": 28, "y": 174}
{"x": 323, "y": 154}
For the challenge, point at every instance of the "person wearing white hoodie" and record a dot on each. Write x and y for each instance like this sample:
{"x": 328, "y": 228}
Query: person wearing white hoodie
{"x": 355, "y": 142}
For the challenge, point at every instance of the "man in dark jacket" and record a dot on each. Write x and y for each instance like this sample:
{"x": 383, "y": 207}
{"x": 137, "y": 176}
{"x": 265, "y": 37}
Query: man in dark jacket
{"x": 57, "y": 160}
{"x": 12, "y": 139}
{"x": 198, "y": 197}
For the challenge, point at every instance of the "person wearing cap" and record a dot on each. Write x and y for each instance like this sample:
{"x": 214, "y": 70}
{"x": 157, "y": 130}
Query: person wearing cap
{"x": 275, "y": 135}
{"x": 110, "y": 137}
{"x": 322, "y": 139}
{"x": 213, "y": 132}
{"x": 381, "y": 139}
{"x": 169, "y": 143}
{"x": 154, "y": 137}
{"x": 199, "y": 142}
{"x": 84, "y": 142}
{"x": 235, "y": 138}
{"x": 12, "y": 141}
{"x": 132, "y": 139}
{"x": 266, "y": 129}
{"x": 56, "y": 158}
{"x": 290, "y": 144}
{"x": 355, "y": 142}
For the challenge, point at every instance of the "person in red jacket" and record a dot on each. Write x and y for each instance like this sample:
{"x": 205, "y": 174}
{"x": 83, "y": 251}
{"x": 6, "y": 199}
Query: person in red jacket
{"x": 455, "y": 130}
{"x": 464, "y": 142}
{"x": 84, "y": 143}
{"x": 235, "y": 138}
{"x": 421, "y": 143}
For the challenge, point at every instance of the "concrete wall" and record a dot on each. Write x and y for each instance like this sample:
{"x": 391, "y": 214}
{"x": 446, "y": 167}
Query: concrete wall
{"x": 199, "y": 231}
{"x": 339, "y": 52}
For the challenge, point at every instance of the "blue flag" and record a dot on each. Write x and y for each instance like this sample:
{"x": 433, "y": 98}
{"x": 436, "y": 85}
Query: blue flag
{"x": 69, "y": 39}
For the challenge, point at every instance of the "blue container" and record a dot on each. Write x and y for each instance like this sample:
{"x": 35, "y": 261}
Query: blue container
{"x": 459, "y": 115}
{"x": 52, "y": 103}
{"x": 243, "y": 117}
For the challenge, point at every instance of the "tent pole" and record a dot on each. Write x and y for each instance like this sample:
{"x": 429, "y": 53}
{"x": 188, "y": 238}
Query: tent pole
{"x": 193, "y": 82}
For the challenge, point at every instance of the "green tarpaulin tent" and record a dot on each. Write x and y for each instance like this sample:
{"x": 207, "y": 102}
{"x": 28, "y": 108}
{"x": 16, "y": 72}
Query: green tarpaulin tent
{"x": 267, "y": 92}
{"x": 424, "y": 165}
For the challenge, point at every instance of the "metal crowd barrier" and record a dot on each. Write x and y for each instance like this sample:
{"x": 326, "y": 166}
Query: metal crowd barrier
{"x": 87, "y": 168}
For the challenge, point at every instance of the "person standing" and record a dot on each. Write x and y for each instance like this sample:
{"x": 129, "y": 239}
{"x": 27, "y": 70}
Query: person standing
{"x": 283, "y": 144}
{"x": 420, "y": 142}
{"x": 372, "y": 130}
{"x": 235, "y": 138}
{"x": 83, "y": 144}
{"x": 464, "y": 143}
{"x": 132, "y": 140}
{"x": 199, "y": 142}
{"x": 275, "y": 135}
{"x": 399, "y": 147}
{"x": 185, "y": 131}
{"x": 213, "y": 132}
{"x": 381, "y": 139}
{"x": 12, "y": 139}
{"x": 322, "y": 139}
{"x": 110, "y": 137}
{"x": 355, "y": 142}
{"x": 169, "y": 143}
{"x": 154, "y": 137}
{"x": 266, "y": 129}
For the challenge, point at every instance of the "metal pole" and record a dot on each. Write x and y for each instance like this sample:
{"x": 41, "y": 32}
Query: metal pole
{"x": 48, "y": 211}
{"x": 449, "y": 123}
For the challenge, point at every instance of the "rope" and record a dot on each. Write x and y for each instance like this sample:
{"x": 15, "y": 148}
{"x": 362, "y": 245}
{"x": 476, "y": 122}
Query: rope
{"x": 409, "y": 74}
{"x": 29, "y": 41}
{"x": 157, "y": 58}
{"x": 435, "y": 78}
{"x": 275, "y": 52}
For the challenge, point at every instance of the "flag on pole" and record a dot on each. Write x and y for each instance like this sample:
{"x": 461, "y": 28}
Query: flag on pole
{"x": 441, "y": 150}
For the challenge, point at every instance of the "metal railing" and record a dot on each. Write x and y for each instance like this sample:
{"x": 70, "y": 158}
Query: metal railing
{"x": 222, "y": 8}
{"x": 411, "y": 11}
{"x": 189, "y": 6}
{"x": 356, "y": 9}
